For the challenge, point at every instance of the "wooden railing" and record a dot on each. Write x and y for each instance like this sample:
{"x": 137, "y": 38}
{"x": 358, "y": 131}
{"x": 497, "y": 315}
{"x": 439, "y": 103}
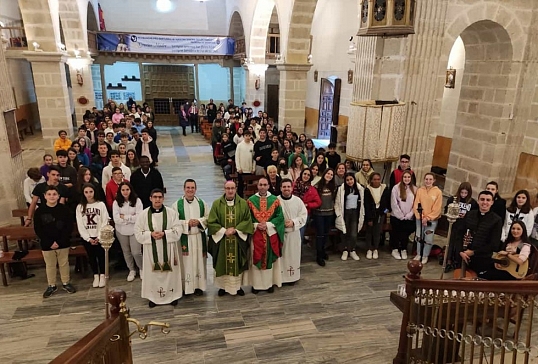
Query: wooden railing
{"x": 108, "y": 343}
{"x": 15, "y": 35}
{"x": 447, "y": 321}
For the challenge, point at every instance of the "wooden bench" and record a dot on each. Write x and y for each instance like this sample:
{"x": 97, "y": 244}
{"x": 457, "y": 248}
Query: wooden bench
{"x": 20, "y": 213}
{"x": 36, "y": 256}
{"x": 21, "y": 234}
{"x": 23, "y": 126}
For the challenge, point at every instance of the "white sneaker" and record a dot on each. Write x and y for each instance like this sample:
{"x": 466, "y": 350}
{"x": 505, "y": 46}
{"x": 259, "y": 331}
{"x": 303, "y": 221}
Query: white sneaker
{"x": 396, "y": 254}
{"x": 131, "y": 276}
{"x": 369, "y": 254}
{"x": 424, "y": 260}
{"x": 344, "y": 255}
{"x": 403, "y": 254}
{"x": 95, "y": 281}
{"x": 417, "y": 257}
{"x": 354, "y": 255}
{"x": 375, "y": 255}
{"x": 102, "y": 280}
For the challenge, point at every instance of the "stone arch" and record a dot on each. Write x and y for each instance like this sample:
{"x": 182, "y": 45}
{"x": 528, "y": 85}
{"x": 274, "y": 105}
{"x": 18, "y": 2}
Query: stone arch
{"x": 73, "y": 25}
{"x": 236, "y": 28}
{"x": 41, "y": 25}
{"x": 481, "y": 147}
{"x": 298, "y": 45}
{"x": 259, "y": 30}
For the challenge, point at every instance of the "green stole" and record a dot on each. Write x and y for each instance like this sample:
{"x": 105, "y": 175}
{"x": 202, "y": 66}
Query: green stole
{"x": 185, "y": 237}
{"x": 156, "y": 265}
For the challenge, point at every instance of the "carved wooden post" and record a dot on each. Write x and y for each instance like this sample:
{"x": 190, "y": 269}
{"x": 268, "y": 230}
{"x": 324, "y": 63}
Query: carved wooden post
{"x": 116, "y": 297}
{"x": 414, "y": 267}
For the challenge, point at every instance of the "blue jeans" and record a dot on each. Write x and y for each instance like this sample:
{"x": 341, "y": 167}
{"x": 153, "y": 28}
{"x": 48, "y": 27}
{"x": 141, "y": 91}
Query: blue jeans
{"x": 429, "y": 232}
{"x": 323, "y": 226}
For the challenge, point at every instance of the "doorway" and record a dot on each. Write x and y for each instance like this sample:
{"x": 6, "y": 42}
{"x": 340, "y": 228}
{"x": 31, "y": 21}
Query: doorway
{"x": 329, "y": 106}
{"x": 165, "y": 88}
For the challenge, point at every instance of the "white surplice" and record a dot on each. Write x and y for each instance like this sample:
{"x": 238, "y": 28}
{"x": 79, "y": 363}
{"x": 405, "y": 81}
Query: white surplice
{"x": 294, "y": 210}
{"x": 193, "y": 265}
{"x": 160, "y": 287}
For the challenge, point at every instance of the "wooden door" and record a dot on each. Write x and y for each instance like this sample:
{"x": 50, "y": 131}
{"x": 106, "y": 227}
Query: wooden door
{"x": 166, "y": 87}
{"x": 326, "y": 103}
{"x": 272, "y": 102}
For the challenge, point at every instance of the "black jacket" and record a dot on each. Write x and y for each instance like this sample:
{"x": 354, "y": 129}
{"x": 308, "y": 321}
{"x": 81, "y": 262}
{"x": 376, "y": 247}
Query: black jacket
{"x": 53, "y": 224}
{"x": 486, "y": 231}
{"x": 499, "y": 207}
{"x": 370, "y": 211}
{"x": 153, "y": 150}
{"x": 143, "y": 185}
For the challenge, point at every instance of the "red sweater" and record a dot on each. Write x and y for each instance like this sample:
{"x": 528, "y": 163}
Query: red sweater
{"x": 110, "y": 193}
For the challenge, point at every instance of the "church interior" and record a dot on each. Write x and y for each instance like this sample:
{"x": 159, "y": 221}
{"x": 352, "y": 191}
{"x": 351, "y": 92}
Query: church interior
{"x": 450, "y": 83}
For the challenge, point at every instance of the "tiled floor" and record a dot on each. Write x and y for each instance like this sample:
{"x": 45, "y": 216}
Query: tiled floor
{"x": 337, "y": 314}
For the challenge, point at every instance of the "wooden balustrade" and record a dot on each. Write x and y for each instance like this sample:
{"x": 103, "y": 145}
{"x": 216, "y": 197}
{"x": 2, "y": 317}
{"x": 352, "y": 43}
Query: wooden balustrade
{"x": 108, "y": 343}
{"x": 15, "y": 36}
{"x": 446, "y": 321}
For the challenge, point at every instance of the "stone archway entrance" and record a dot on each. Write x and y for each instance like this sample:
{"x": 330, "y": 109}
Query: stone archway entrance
{"x": 481, "y": 145}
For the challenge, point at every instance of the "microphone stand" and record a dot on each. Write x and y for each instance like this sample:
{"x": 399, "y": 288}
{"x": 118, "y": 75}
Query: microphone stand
{"x": 421, "y": 238}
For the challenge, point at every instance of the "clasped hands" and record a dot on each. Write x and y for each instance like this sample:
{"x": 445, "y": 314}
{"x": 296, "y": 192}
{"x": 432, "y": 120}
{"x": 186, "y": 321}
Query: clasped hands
{"x": 94, "y": 241}
{"x": 230, "y": 231}
{"x": 289, "y": 223}
{"x": 193, "y": 223}
{"x": 157, "y": 235}
{"x": 262, "y": 226}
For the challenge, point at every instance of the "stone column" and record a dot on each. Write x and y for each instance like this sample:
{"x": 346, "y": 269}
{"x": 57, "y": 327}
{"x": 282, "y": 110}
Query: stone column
{"x": 13, "y": 172}
{"x": 50, "y": 81}
{"x": 82, "y": 67}
{"x": 292, "y": 95}
{"x": 255, "y": 80}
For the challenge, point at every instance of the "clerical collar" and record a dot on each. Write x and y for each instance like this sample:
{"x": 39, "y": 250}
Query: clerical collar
{"x": 188, "y": 200}
{"x": 286, "y": 198}
{"x": 155, "y": 211}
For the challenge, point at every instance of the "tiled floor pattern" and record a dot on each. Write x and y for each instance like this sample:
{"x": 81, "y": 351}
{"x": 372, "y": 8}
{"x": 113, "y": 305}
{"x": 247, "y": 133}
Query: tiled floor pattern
{"x": 337, "y": 314}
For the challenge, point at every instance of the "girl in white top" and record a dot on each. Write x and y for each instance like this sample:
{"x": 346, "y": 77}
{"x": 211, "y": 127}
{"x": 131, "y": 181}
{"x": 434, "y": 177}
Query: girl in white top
{"x": 349, "y": 210}
{"x": 91, "y": 216}
{"x": 125, "y": 210}
{"x": 315, "y": 174}
{"x": 519, "y": 210}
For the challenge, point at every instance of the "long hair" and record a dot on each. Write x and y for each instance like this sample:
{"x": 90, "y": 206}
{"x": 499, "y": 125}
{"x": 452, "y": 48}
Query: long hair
{"x": 350, "y": 189}
{"x": 467, "y": 187}
{"x": 403, "y": 190}
{"x": 322, "y": 184}
{"x": 84, "y": 200}
{"x": 80, "y": 178}
{"x": 75, "y": 163}
{"x": 294, "y": 159}
{"x": 282, "y": 168}
{"x": 525, "y": 209}
{"x": 132, "y": 195}
{"x": 323, "y": 166}
{"x": 524, "y": 237}
{"x": 134, "y": 163}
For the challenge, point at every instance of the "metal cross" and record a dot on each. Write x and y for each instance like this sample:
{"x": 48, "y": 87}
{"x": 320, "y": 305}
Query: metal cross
{"x": 161, "y": 292}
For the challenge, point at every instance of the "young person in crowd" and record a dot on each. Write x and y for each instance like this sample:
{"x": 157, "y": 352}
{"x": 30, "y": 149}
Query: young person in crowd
{"x": 92, "y": 215}
{"x": 333, "y": 158}
{"x": 296, "y": 166}
{"x": 53, "y": 225}
{"x": 519, "y": 210}
{"x": 499, "y": 203}
{"x": 216, "y": 136}
{"x": 309, "y": 152}
{"x": 131, "y": 160}
{"x": 396, "y": 175}
{"x": 125, "y": 210}
{"x": 287, "y": 150}
{"x": 115, "y": 161}
{"x": 68, "y": 174}
{"x": 351, "y": 166}
{"x": 324, "y": 215}
{"x": 228, "y": 151}
{"x": 146, "y": 179}
{"x": 72, "y": 158}
{"x": 464, "y": 198}
{"x": 320, "y": 162}
{"x": 63, "y": 142}
{"x": 151, "y": 130}
{"x": 244, "y": 161}
{"x": 315, "y": 174}
{"x": 430, "y": 199}
{"x": 84, "y": 177}
{"x": 147, "y": 147}
{"x": 340, "y": 174}
{"x": 238, "y": 137}
{"x": 95, "y": 146}
{"x": 80, "y": 154}
{"x": 376, "y": 206}
{"x": 30, "y": 182}
{"x": 112, "y": 187}
{"x": 402, "y": 218}
{"x": 363, "y": 175}
{"x": 47, "y": 163}
{"x": 262, "y": 152}
{"x": 84, "y": 148}
{"x": 349, "y": 210}
{"x": 298, "y": 150}
{"x": 283, "y": 170}
{"x": 38, "y": 194}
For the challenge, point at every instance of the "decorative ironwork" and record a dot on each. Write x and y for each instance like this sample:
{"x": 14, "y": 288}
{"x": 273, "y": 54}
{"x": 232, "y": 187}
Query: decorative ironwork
{"x": 364, "y": 12}
{"x": 399, "y": 9}
{"x": 380, "y": 10}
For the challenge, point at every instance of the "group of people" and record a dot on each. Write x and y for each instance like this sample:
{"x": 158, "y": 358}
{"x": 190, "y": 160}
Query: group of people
{"x": 100, "y": 175}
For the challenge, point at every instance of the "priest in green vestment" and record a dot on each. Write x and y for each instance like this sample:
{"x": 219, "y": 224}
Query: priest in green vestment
{"x": 265, "y": 269}
{"x": 229, "y": 225}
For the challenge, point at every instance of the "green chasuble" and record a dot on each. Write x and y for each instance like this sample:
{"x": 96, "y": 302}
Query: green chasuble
{"x": 230, "y": 254}
{"x": 267, "y": 249}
